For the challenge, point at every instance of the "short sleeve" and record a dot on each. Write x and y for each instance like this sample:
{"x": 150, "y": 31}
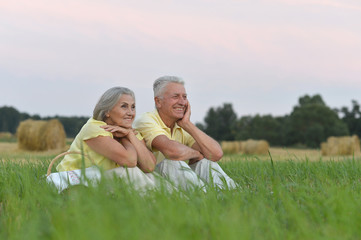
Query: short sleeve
{"x": 149, "y": 129}
{"x": 139, "y": 136}
{"x": 94, "y": 130}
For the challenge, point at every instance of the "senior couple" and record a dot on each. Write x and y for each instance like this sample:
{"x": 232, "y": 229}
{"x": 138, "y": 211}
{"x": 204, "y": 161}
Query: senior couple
{"x": 160, "y": 144}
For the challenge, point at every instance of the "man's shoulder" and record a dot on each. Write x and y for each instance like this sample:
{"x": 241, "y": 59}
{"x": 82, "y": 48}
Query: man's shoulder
{"x": 151, "y": 114}
{"x": 147, "y": 118}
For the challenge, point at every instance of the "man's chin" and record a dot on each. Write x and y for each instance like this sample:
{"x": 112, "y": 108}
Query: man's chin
{"x": 179, "y": 116}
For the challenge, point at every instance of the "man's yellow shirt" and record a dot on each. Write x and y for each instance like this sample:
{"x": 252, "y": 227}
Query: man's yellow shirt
{"x": 150, "y": 125}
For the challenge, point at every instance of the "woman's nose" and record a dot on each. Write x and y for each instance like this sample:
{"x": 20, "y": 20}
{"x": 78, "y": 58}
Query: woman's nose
{"x": 131, "y": 111}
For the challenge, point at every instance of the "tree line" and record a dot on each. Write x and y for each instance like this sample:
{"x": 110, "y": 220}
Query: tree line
{"x": 11, "y": 117}
{"x": 310, "y": 123}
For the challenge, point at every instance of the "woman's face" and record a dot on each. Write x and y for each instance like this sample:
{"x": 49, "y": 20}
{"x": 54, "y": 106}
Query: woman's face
{"x": 123, "y": 113}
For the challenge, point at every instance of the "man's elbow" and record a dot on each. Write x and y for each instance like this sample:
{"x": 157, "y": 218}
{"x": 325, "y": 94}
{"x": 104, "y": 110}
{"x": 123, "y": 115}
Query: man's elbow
{"x": 217, "y": 156}
{"x": 175, "y": 155}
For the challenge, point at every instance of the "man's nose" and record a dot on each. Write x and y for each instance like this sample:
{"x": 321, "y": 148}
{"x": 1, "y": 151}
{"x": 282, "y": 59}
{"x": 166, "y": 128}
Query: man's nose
{"x": 182, "y": 101}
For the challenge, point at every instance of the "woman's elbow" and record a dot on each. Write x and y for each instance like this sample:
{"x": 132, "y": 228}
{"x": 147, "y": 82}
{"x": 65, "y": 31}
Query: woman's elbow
{"x": 128, "y": 164}
{"x": 128, "y": 161}
{"x": 131, "y": 164}
{"x": 149, "y": 169}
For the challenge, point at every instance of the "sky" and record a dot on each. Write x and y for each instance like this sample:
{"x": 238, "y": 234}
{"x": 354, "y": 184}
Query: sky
{"x": 58, "y": 57}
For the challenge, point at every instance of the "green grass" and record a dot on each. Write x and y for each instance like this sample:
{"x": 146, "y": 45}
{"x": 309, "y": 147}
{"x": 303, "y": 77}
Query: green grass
{"x": 8, "y": 139}
{"x": 286, "y": 200}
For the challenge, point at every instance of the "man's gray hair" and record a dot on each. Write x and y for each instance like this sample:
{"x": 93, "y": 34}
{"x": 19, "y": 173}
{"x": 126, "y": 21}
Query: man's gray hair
{"x": 160, "y": 83}
{"x": 108, "y": 100}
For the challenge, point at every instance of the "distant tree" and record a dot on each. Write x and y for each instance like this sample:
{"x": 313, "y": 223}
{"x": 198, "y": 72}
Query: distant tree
{"x": 219, "y": 122}
{"x": 352, "y": 118}
{"x": 36, "y": 117}
{"x": 311, "y": 122}
{"x": 9, "y": 119}
{"x": 259, "y": 127}
{"x": 200, "y": 126}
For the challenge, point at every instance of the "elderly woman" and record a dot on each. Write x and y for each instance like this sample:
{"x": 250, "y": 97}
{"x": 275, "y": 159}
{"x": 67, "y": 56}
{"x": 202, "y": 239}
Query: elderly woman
{"x": 108, "y": 142}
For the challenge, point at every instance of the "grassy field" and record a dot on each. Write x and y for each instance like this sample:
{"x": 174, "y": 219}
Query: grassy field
{"x": 293, "y": 195}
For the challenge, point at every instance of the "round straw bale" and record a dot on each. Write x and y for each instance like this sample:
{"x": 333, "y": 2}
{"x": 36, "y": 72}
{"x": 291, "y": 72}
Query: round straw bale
{"x": 231, "y": 146}
{"x": 347, "y": 145}
{"x": 356, "y": 148}
{"x": 255, "y": 146}
{"x": 38, "y": 135}
{"x": 324, "y": 148}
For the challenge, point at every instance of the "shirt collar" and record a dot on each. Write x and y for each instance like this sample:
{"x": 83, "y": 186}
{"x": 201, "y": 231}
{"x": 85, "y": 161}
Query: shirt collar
{"x": 163, "y": 124}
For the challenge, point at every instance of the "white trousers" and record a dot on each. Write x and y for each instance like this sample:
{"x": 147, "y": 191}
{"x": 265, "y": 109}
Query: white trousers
{"x": 133, "y": 176}
{"x": 161, "y": 183}
{"x": 192, "y": 176}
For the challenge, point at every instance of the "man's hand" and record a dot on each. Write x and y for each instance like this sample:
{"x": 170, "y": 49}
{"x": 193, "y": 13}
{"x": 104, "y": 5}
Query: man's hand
{"x": 117, "y": 131}
{"x": 186, "y": 117}
{"x": 194, "y": 160}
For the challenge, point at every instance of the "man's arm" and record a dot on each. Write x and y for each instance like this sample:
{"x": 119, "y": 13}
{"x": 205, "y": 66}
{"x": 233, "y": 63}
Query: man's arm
{"x": 174, "y": 150}
{"x": 206, "y": 145}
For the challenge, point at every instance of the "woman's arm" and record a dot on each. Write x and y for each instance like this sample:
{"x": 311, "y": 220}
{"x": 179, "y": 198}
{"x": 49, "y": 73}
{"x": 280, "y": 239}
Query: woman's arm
{"x": 124, "y": 154}
{"x": 146, "y": 159}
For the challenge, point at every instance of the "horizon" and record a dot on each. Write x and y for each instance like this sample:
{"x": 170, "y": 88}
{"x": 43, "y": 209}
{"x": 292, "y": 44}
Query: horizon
{"x": 349, "y": 107}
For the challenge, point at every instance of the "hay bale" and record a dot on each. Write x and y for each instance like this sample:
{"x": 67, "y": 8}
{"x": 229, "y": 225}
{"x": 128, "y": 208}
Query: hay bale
{"x": 336, "y": 146}
{"x": 255, "y": 146}
{"x": 324, "y": 148}
{"x": 231, "y": 146}
{"x": 40, "y": 135}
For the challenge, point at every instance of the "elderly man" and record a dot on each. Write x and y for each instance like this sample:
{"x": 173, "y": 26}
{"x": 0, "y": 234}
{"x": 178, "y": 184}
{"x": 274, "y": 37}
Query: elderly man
{"x": 174, "y": 139}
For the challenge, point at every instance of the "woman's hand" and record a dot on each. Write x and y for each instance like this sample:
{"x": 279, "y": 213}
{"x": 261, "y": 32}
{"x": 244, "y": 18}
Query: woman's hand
{"x": 117, "y": 131}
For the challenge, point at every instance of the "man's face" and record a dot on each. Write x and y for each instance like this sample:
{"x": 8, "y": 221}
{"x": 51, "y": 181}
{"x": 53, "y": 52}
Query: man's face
{"x": 173, "y": 102}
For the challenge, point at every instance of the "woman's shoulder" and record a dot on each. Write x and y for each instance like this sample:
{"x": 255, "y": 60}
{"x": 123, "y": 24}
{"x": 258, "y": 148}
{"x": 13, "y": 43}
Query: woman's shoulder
{"x": 92, "y": 128}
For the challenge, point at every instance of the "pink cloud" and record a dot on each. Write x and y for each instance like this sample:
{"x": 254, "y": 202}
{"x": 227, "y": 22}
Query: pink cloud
{"x": 278, "y": 45}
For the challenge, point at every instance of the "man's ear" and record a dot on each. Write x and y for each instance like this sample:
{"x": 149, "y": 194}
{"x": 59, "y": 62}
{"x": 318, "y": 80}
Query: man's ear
{"x": 157, "y": 101}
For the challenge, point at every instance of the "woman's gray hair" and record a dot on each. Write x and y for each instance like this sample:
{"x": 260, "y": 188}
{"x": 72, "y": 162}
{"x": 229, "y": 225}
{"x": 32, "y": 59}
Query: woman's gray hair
{"x": 160, "y": 83}
{"x": 108, "y": 100}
